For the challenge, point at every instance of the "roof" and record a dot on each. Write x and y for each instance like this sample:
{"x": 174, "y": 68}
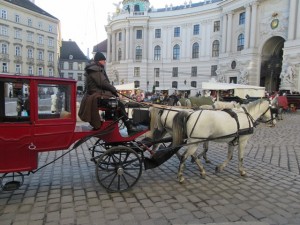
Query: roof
{"x": 227, "y": 86}
{"x": 30, "y": 6}
{"x": 71, "y": 48}
{"x": 101, "y": 47}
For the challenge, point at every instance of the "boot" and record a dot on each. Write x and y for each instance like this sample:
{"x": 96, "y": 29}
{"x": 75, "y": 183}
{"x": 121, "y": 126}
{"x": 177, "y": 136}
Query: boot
{"x": 131, "y": 128}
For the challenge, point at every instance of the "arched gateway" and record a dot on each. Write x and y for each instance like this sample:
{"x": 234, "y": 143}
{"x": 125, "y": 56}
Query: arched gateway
{"x": 271, "y": 63}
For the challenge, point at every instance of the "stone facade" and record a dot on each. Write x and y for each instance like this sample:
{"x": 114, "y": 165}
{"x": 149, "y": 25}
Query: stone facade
{"x": 248, "y": 41}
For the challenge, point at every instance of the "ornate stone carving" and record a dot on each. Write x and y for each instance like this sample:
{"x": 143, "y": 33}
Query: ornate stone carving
{"x": 243, "y": 78}
{"x": 288, "y": 75}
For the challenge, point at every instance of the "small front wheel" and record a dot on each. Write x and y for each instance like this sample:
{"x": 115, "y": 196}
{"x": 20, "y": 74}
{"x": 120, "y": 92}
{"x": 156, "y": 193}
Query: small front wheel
{"x": 118, "y": 169}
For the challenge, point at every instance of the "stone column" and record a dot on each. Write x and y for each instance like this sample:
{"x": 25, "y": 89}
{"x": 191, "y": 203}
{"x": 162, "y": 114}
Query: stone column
{"x": 108, "y": 54}
{"x": 253, "y": 24}
{"x": 165, "y": 42}
{"x": 207, "y": 39}
{"x": 123, "y": 43}
{"x": 145, "y": 48}
{"x": 127, "y": 40}
{"x": 113, "y": 54}
{"x": 203, "y": 41}
{"x": 292, "y": 19}
{"x": 247, "y": 26}
{"x": 184, "y": 41}
{"x": 224, "y": 33}
{"x": 229, "y": 32}
{"x": 131, "y": 46}
{"x": 298, "y": 23}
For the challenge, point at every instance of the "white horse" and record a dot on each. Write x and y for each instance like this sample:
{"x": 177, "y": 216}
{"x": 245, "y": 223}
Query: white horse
{"x": 234, "y": 127}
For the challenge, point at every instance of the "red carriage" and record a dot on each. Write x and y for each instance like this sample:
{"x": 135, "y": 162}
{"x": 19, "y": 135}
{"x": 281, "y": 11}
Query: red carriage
{"x": 38, "y": 114}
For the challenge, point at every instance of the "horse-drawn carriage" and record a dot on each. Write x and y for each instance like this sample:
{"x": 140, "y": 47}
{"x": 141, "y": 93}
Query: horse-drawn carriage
{"x": 49, "y": 123}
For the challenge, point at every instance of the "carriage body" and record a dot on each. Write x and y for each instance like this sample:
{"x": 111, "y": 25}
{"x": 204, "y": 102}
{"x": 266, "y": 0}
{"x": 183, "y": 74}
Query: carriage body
{"x": 48, "y": 124}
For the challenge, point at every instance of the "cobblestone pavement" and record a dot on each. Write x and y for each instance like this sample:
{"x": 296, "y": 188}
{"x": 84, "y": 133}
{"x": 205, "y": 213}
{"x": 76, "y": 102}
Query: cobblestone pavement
{"x": 67, "y": 191}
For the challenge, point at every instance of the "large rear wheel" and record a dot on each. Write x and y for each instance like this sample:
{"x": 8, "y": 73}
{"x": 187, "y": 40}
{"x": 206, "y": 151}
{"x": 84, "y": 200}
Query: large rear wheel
{"x": 118, "y": 169}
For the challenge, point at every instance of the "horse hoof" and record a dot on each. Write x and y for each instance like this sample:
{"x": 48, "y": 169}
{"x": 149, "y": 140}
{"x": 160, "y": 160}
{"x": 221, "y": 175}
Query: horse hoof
{"x": 203, "y": 175}
{"x": 207, "y": 161}
{"x": 243, "y": 173}
{"x": 218, "y": 169}
{"x": 181, "y": 180}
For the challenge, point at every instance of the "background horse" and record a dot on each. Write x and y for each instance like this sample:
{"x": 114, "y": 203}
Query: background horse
{"x": 234, "y": 127}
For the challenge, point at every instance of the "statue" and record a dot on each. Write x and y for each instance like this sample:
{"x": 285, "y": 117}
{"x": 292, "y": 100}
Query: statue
{"x": 288, "y": 76}
{"x": 243, "y": 78}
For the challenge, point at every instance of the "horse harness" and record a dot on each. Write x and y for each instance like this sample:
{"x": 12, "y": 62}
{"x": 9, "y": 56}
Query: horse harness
{"x": 252, "y": 123}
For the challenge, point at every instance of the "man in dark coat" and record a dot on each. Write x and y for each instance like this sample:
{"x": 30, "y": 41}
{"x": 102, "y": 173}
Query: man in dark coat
{"x": 97, "y": 86}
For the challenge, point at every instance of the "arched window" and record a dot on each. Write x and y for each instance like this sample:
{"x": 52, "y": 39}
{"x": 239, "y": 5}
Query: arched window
{"x": 176, "y": 52}
{"x": 241, "y": 42}
{"x": 119, "y": 54}
{"x": 157, "y": 52}
{"x": 215, "y": 48}
{"x": 174, "y": 84}
{"x": 138, "y": 53}
{"x": 195, "y": 51}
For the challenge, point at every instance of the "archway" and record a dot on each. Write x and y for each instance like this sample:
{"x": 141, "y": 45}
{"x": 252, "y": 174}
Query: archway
{"x": 271, "y": 63}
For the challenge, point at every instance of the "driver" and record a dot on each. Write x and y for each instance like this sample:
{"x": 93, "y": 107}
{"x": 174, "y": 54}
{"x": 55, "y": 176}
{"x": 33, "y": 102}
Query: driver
{"x": 97, "y": 86}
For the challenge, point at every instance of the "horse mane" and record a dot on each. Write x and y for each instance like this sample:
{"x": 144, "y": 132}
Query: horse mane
{"x": 155, "y": 123}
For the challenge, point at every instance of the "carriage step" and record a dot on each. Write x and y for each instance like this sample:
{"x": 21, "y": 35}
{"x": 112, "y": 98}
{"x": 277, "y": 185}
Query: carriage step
{"x": 11, "y": 185}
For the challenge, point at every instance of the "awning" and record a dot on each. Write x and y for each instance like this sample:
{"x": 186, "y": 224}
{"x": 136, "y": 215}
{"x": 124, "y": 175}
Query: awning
{"x": 123, "y": 87}
{"x": 227, "y": 86}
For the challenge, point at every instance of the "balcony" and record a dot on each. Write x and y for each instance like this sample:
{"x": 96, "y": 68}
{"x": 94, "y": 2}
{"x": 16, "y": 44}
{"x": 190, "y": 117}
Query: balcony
{"x": 30, "y": 61}
{"x": 18, "y": 59}
{"x": 4, "y": 57}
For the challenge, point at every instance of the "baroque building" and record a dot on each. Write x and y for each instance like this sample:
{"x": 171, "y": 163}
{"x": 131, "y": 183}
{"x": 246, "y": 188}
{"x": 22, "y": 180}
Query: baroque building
{"x": 30, "y": 39}
{"x": 252, "y": 42}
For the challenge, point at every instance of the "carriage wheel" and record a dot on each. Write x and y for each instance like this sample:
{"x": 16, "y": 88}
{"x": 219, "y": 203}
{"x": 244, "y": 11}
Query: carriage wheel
{"x": 118, "y": 169}
{"x": 11, "y": 181}
{"x": 97, "y": 150}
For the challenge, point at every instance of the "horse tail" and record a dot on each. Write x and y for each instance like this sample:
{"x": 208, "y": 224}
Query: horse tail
{"x": 179, "y": 128}
{"x": 153, "y": 122}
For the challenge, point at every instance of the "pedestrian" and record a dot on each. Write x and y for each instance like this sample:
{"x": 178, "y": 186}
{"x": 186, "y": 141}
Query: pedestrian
{"x": 98, "y": 86}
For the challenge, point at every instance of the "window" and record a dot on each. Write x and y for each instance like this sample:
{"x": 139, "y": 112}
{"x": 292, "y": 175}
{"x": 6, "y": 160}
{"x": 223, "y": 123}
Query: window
{"x": 195, "y": 51}
{"x": 196, "y": 30}
{"x": 217, "y": 26}
{"x": 40, "y": 71}
{"x": 174, "y": 84}
{"x": 4, "y": 67}
{"x": 213, "y": 70}
{"x": 157, "y": 52}
{"x": 194, "y": 84}
{"x": 40, "y": 55}
{"x": 233, "y": 80}
{"x": 40, "y": 25}
{"x": 156, "y": 83}
{"x": 194, "y": 71}
{"x": 18, "y": 69}
{"x": 30, "y": 53}
{"x": 50, "y": 42}
{"x": 4, "y": 48}
{"x": 240, "y": 45}
{"x": 175, "y": 72}
{"x": 17, "y": 18}
{"x": 120, "y": 36}
{"x": 60, "y": 101}
{"x": 176, "y": 52}
{"x": 215, "y": 48}
{"x": 50, "y": 28}
{"x": 119, "y": 54}
{"x": 157, "y": 33}
{"x": 70, "y": 65}
{"x": 30, "y": 36}
{"x": 18, "y": 51}
{"x": 139, "y": 34}
{"x": 177, "y": 32}
{"x": 137, "y": 72}
{"x": 18, "y": 33}
{"x": 3, "y": 14}
{"x": 136, "y": 84}
{"x": 70, "y": 75}
{"x": 3, "y": 30}
{"x": 50, "y": 56}
{"x": 50, "y": 72}
{"x": 156, "y": 72}
{"x": 79, "y": 76}
{"x": 138, "y": 53}
{"x": 29, "y": 22}
{"x": 30, "y": 70}
{"x": 40, "y": 39}
{"x": 61, "y": 65}
{"x": 242, "y": 18}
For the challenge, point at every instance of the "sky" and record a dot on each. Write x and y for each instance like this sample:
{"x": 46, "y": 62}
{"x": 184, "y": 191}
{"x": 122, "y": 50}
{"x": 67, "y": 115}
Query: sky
{"x": 83, "y": 21}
